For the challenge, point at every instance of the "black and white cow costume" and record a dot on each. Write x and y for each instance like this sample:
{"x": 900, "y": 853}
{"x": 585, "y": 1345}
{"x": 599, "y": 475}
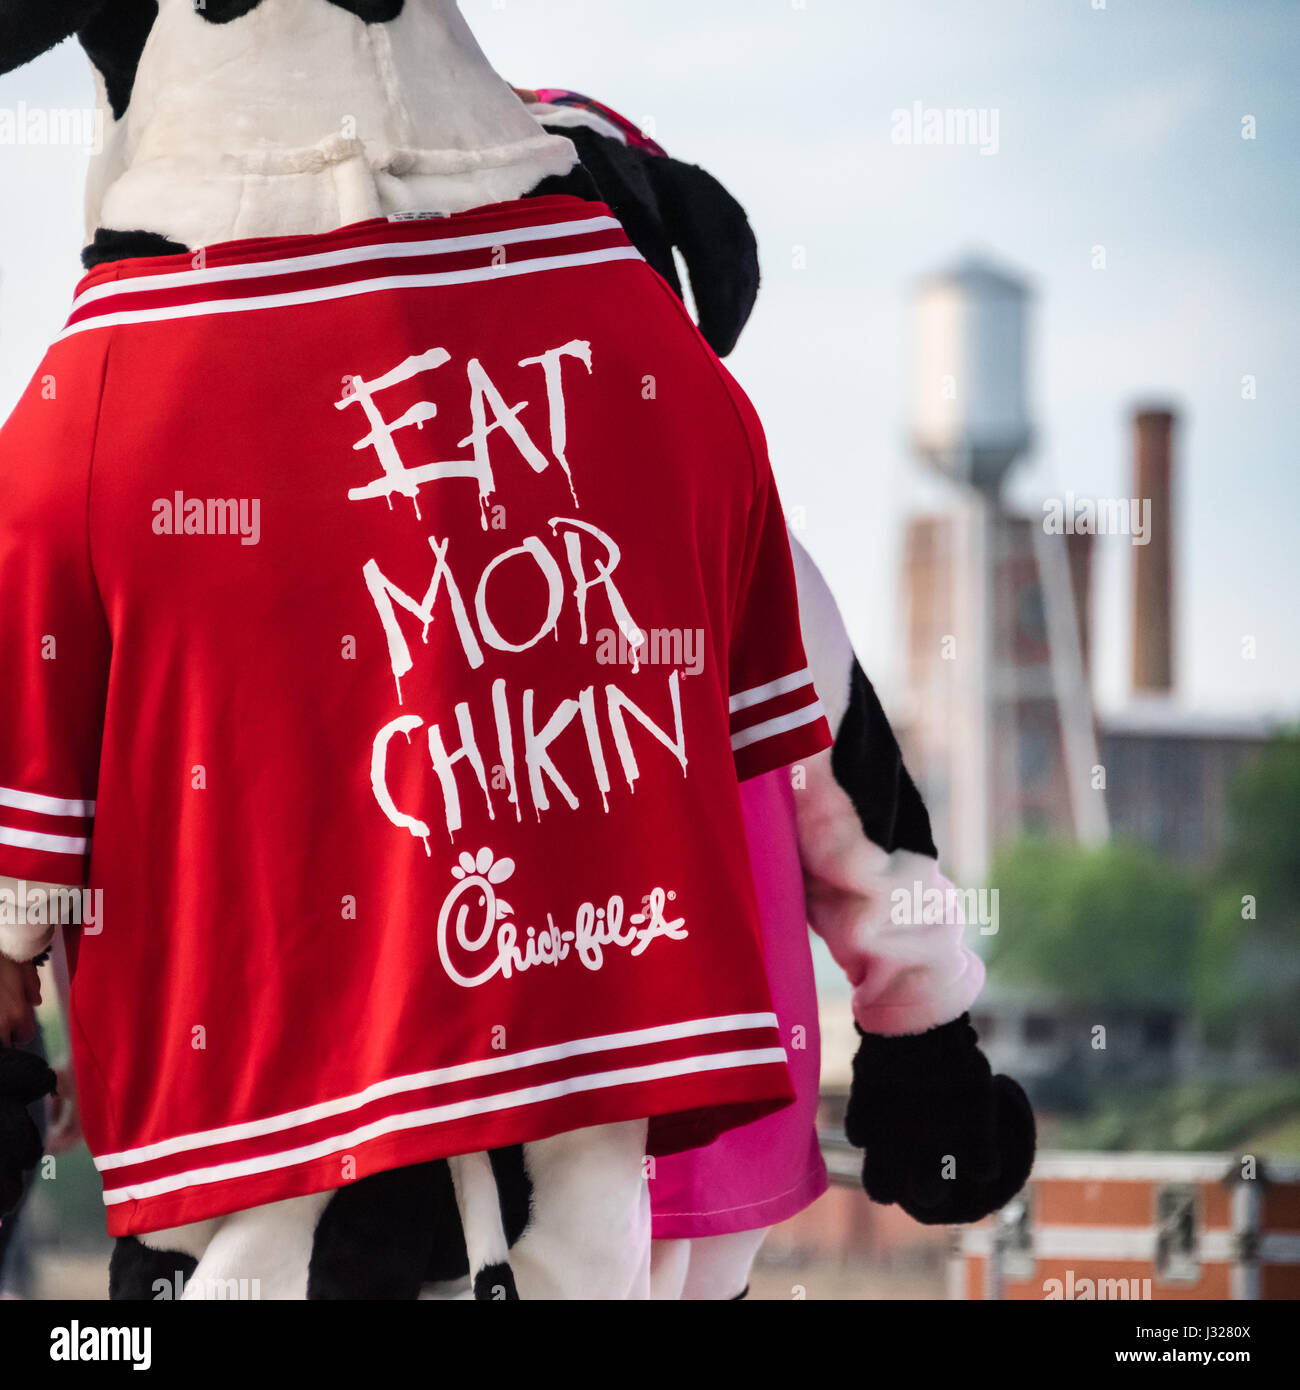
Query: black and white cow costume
{"x": 241, "y": 119}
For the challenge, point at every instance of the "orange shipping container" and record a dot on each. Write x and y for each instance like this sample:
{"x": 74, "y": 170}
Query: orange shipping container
{"x": 1139, "y": 1226}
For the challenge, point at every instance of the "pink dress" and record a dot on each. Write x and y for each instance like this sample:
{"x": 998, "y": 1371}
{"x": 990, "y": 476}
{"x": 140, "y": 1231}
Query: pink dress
{"x": 872, "y": 890}
{"x": 765, "y": 1172}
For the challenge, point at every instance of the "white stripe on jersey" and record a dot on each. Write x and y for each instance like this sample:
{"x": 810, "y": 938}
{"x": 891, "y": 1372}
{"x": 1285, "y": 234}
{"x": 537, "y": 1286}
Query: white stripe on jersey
{"x": 441, "y": 1114}
{"x": 50, "y": 844}
{"x": 747, "y": 698}
{"x": 443, "y": 1076}
{"x": 370, "y": 286}
{"x": 44, "y": 805}
{"x": 782, "y": 724}
{"x": 348, "y": 255}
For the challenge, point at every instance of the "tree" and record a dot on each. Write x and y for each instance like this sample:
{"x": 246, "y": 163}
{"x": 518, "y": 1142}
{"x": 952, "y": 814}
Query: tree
{"x": 1247, "y": 972}
{"x": 1112, "y": 926}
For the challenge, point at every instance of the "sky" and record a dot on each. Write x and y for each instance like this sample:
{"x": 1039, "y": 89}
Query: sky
{"x": 1119, "y": 125}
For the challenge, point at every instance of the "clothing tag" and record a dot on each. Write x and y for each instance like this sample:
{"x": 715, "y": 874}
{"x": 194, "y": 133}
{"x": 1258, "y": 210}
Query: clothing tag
{"x": 414, "y": 216}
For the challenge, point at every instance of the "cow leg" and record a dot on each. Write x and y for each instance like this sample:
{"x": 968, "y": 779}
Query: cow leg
{"x": 588, "y": 1235}
{"x": 264, "y": 1252}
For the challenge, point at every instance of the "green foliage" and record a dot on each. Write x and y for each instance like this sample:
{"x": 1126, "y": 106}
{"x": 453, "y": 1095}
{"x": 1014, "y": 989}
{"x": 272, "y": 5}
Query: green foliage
{"x": 1264, "y": 821}
{"x": 1247, "y": 966}
{"x": 1119, "y": 926}
{"x": 1109, "y": 926}
{"x": 1260, "y": 1116}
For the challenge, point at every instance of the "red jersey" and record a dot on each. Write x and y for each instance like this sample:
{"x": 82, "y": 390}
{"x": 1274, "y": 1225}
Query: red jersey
{"x": 389, "y": 616}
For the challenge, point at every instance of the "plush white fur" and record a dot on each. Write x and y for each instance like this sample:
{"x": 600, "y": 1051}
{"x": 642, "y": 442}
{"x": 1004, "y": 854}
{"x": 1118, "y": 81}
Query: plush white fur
{"x": 907, "y": 975}
{"x": 825, "y": 638}
{"x": 225, "y": 138}
{"x": 264, "y": 1252}
{"x": 480, "y": 1211}
{"x": 544, "y": 113}
{"x": 589, "y": 1237}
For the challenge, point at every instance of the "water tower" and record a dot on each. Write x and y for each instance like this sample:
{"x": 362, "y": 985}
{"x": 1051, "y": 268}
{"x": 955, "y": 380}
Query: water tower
{"x": 1000, "y": 716}
{"x": 970, "y": 418}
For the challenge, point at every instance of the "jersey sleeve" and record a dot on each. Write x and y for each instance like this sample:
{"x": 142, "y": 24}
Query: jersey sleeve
{"x": 776, "y": 715}
{"x": 54, "y": 644}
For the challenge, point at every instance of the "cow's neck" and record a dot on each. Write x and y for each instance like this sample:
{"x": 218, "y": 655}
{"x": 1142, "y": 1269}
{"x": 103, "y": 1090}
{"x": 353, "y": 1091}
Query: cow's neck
{"x": 299, "y": 118}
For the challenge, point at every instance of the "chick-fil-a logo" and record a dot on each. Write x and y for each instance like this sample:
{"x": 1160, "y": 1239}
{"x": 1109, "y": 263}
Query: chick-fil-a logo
{"x": 473, "y": 925}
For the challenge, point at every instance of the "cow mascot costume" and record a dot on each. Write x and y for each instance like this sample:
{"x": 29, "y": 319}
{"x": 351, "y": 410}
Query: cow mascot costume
{"x": 398, "y": 615}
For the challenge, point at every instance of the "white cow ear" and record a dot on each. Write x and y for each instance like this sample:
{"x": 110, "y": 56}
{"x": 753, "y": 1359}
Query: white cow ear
{"x": 29, "y": 28}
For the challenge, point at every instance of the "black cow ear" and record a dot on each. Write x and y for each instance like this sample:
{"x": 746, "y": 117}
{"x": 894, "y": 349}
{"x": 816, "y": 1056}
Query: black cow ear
{"x": 663, "y": 203}
{"x": 622, "y": 176}
{"x": 29, "y": 28}
{"x": 711, "y": 230}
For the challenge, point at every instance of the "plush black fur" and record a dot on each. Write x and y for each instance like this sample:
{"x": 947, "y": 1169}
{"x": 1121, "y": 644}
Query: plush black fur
{"x": 113, "y": 40}
{"x": 514, "y": 1190}
{"x": 368, "y": 11}
{"x": 378, "y": 1236}
{"x": 24, "y": 1079}
{"x": 134, "y": 1271}
{"x": 495, "y": 1284}
{"x": 622, "y": 177}
{"x": 577, "y": 183}
{"x": 385, "y": 1236}
{"x": 223, "y": 11}
{"x": 372, "y": 11}
{"x": 123, "y": 246}
{"x": 29, "y": 28}
{"x": 663, "y": 203}
{"x": 113, "y": 33}
{"x": 944, "y": 1138}
{"x": 712, "y": 231}
{"x": 868, "y": 764}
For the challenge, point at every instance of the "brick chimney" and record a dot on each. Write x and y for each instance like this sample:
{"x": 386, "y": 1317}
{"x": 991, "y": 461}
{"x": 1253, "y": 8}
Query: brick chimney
{"x": 1153, "y": 662}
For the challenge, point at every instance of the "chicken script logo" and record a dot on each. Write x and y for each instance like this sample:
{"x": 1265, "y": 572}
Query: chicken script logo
{"x": 510, "y": 952}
